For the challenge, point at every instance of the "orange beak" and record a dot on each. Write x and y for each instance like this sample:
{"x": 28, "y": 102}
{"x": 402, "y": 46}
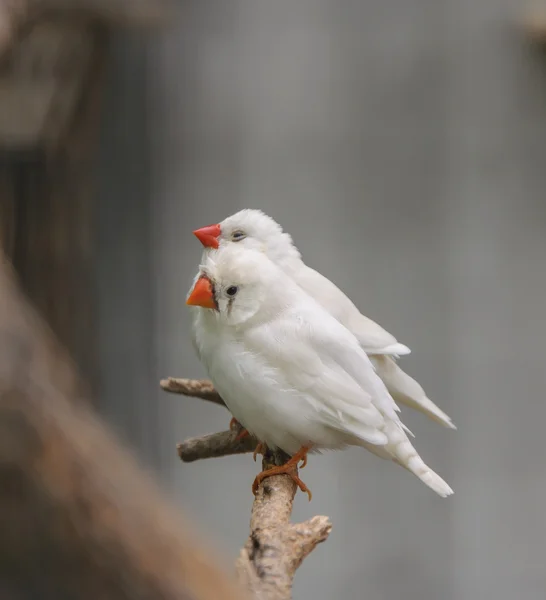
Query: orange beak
{"x": 208, "y": 235}
{"x": 202, "y": 294}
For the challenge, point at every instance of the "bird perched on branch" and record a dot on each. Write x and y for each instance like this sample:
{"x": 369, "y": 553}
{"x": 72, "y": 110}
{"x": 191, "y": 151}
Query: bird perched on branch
{"x": 254, "y": 229}
{"x": 290, "y": 373}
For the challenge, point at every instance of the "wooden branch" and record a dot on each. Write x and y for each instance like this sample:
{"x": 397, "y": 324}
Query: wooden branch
{"x": 197, "y": 388}
{"x": 215, "y": 445}
{"x": 275, "y": 548}
{"x": 79, "y": 519}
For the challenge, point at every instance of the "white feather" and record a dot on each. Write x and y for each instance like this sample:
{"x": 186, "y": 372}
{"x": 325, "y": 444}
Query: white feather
{"x": 291, "y": 373}
{"x": 406, "y": 390}
{"x": 264, "y": 234}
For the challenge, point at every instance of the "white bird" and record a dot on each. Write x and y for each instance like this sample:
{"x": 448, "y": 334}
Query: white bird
{"x": 254, "y": 229}
{"x": 290, "y": 373}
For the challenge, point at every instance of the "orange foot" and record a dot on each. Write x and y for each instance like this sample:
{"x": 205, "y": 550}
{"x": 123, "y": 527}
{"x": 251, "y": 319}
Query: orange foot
{"x": 260, "y": 449}
{"x": 287, "y": 469}
{"x": 242, "y": 434}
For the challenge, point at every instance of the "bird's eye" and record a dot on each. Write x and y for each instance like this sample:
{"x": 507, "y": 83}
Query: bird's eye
{"x": 237, "y": 236}
{"x": 232, "y": 290}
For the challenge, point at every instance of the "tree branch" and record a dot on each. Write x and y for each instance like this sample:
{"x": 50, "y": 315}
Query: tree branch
{"x": 197, "y": 388}
{"x": 215, "y": 445}
{"x": 275, "y": 547}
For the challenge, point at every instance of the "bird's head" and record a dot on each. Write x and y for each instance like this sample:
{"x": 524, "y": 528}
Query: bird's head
{"x": 236, "y": 284}
{"x": 251, "y": 229}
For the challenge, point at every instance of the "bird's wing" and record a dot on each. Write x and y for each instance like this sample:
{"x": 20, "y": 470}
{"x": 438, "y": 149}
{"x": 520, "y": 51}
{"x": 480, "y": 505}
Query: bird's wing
{"x": 374, "y": 339}
{"x": 371, "y": 336}
{"x": 320, "y": 358}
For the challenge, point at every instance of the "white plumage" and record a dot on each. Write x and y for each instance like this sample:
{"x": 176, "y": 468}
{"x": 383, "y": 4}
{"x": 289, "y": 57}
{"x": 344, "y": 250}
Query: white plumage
{"x": 253, "y": 229}
{"x": 289, "y": 372}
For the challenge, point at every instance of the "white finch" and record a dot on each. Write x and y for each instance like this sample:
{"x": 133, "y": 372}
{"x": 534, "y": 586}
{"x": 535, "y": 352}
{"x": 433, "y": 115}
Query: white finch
{"x": 290, "y": 373}
{"x": 253, "y": 229}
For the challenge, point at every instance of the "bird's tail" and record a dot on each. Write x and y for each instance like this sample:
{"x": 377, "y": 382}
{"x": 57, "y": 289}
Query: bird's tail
{"x": 403, "y": 453}
{"x": 400, "y": 451}
{"x": 405, "y": 390}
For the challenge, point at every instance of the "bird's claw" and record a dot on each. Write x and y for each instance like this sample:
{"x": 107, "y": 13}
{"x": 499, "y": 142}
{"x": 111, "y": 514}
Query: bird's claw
{"x": 234, "y": 424}
{"x": 284, "y": 470}
{"x": 289, "y": 468}
{"x": 260, "y": 449}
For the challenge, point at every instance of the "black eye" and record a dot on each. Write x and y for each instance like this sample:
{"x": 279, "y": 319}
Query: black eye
{"x": 237, "y": 236}
{"x": 232, "y": 290}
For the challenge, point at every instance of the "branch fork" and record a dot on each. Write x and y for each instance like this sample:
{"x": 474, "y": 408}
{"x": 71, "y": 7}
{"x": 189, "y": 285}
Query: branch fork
{"x": 276, "y": 547}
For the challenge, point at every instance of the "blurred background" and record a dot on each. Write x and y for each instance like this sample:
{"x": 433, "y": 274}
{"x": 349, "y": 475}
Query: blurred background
{"x": 402, "y": 143}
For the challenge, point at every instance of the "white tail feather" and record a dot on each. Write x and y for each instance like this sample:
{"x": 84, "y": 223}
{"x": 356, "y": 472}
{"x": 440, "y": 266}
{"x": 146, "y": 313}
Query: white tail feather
{"x": 405, "y": 390}
{"x": 396, "y": 350}
{"x": 403, "y": 453}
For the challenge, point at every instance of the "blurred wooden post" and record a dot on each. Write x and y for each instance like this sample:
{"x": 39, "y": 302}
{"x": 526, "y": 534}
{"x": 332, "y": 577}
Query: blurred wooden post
{"x": 53, "y": 54}
{"x": 78, "y": 517}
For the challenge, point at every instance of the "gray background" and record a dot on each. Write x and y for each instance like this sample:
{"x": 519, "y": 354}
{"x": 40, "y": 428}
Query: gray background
{"x": 403, "y": 144}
